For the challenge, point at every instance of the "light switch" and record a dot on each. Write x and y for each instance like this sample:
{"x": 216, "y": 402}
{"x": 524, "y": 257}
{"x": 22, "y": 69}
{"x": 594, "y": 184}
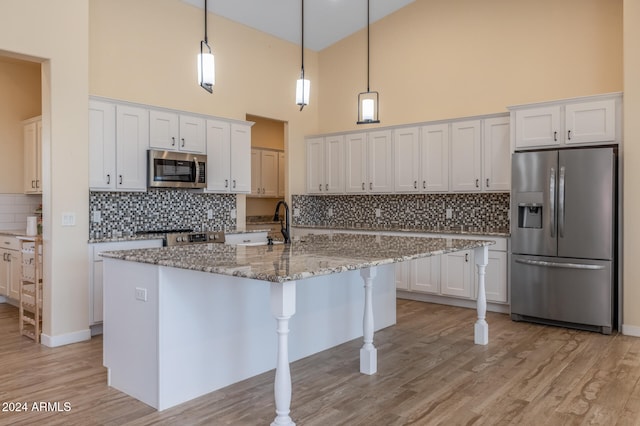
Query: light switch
{"x": 68, "y": 219}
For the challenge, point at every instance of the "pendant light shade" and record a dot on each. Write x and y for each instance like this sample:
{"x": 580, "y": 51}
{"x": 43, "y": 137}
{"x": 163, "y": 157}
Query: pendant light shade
{"x": 206, "y": 61}
{"x": 368, "y": 101}
{"x": 302, "y": 85}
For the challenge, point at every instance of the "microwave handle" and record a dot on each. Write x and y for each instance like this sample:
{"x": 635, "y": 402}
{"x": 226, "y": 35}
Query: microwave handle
{"x": 195, "y": 162}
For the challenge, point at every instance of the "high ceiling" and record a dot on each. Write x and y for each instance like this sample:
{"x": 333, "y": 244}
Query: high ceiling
{"x": 325, "y": 21}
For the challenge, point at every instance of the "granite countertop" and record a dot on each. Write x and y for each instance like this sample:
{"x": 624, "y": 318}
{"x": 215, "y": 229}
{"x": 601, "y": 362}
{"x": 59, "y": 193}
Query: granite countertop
{"x": 310, "y": 256}
{"x": 240, "y": 230}
{"x": 450, "y": 230}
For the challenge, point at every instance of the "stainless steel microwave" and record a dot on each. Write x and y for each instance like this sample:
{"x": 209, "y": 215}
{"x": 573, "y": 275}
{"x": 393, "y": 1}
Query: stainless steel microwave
{"x": 169, "y": 169}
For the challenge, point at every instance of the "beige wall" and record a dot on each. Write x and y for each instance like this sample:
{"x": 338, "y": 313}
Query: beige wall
{"x": 437, "y": 59}
{"x": 55, "y": 34}
{"x": 631, "y": 158}
{"x": 266, "y": 133}
{"x": 20, "y": 88}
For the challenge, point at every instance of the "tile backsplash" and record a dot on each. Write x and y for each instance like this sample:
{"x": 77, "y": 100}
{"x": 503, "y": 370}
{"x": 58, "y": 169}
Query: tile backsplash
{"x": 14, "y": 209}
{"x": 124, "y": 213}
{"x": 398, "y": 210}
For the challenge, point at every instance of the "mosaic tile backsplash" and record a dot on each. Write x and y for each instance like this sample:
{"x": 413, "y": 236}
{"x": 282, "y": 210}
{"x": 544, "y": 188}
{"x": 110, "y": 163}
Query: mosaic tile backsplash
{"x": 403, "y": 210}
{"x": 124, "y": 213}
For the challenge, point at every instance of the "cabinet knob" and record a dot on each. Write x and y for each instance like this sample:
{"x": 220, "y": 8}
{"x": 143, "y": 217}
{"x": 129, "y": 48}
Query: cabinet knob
{"x": 363, "y": 186}
{"x": 33, "y": 184}
{"x": 370, "y": 186}
{"x": 477, "y": 183}
{"x": 234, "y": 183}
{"x": 424, "y": 184}
{"x": 487, "y": 182}
{"x": 555, "y": 136}
{"x": 183, "y": 142}
{"x": 415, "y": 184}
{"x": 569, "y": 134}
{"x": 173, "y": 141}
{"x": 120, "y": 176}
{"x": 319, "y": 187}
{"x": 466, "y": 257}
{"x": 108, "y": 179}
{"x": 37, "y": 183}
{"x": 226, "y": 183}
{"x": 326, "y": 186}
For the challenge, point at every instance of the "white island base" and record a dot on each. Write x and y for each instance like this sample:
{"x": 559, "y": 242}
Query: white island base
{"x": 197, "y": 332}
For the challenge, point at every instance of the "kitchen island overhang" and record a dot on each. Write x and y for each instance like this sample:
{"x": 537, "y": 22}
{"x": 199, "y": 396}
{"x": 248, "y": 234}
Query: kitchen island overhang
{"x": 199, "y": 297}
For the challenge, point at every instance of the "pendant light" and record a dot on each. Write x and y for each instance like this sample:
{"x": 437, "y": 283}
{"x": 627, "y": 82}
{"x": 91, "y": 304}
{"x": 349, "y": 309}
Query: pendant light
{"x": 368, "y": 101}
{"x": 302, "y": 85}
{"x": 206, "y": 63}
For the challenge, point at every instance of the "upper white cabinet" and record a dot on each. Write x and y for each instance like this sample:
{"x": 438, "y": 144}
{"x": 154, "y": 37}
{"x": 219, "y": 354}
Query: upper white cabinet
{"x": 496, "y": 147}
{"x": 369, "y": 162}
{"x": 173, "y": 131}
{"x": 228, "y": 156}
{"x": 466, "y": 162}
{"x": 32, "y": 139}
{"x": 406, "y": 150}
{"x": 434, "y": 154}
{"x": 282, "y": 165}
{"x": 594, "y": 119}
{"x": 118, "y": 143}
{"x": 325, "y": 164}
{"x": 264, "y": 173}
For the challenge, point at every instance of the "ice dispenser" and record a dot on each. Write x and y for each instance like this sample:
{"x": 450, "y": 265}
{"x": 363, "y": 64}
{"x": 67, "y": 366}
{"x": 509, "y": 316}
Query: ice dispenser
{"x": 529, "y": 215}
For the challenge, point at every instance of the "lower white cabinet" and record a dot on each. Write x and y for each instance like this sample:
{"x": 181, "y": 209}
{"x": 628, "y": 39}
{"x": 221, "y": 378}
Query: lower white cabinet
{"x": 245, "y": 238}
{"x": 95, "y": 271}
{"x": 456, "y": 274}
{"x": 10, "y": 267}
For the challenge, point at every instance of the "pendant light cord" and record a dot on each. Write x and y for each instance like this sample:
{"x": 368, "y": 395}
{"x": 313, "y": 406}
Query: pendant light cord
{"x": 368, "y": 48}
{"x": 302, "y": 41}
{"x": 206, "y": 38}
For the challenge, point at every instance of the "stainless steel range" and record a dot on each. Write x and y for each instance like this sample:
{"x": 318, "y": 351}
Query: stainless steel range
{"x": 183, "y": 238}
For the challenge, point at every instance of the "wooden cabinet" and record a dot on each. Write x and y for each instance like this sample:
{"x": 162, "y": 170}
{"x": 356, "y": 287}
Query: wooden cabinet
{"x": 496, "y": 147}
{"x": 10, "y": 267}
{"x": 228, "y": 156}
{"x": 325, "y": 164}
{"x": 264, "y": 173}
{"x": 32, "y": 140}
{"x": 369, "y": 162}
{"x": 118, "y": 143}
{"x": 95, "y": 271}
{"x": 173, "y": 131}
{"x": 587, "y": 120}
{"x": 466, "y": 162}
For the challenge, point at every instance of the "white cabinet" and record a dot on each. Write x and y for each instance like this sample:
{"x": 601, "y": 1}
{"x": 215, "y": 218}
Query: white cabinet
{"x": 228, "y": 156}
{"x": 422, "y": 275}
{"x": 245, "y": 238}
{"x": 457, "y": 272}
{"x": 369, "y": 162}
{"x": 466, "y": 162}
{"x": 585, "y": 120}
{"x": 495, "y": 277}
{"x": 282, "y": 166}
{"x": 10, "y": 267}
{"x": 173, "y": 131}
{"x": 421, "y": 158}
{"x": 95, "y": 271}
{"x": 264, "y": 173}
{"x": 496, "y": 147}
{"x": 118, "y": 143}
{"x": 325, "y": 164}
{"x": 32, "y": 139}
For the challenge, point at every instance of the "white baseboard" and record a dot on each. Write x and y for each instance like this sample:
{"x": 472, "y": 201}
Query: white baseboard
{"x": 631, "y": 330}
{"x": 65, "y": 339}
{"x": 3, "y": 299}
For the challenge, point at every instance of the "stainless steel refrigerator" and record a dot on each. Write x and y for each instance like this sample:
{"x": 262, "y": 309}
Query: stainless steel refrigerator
{"x": 563, "y": 237}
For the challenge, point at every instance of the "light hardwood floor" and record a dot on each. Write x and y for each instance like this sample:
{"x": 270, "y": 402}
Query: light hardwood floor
{"x": 429, "y": 372}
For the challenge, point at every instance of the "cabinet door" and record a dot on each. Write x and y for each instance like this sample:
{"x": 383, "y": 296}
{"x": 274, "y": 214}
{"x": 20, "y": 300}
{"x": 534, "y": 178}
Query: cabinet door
{"x": 32, "y": 160}
{"x": 269, "y": 173}
{"x": 456, "y": 274}
{"x": 495, "y": 281}
{"x": 356, "y": 179}
{"x": 465, "y": 155}
{"x": 240, "y": 158}
{"x": 334, "y": 164}
{"x": 426, "y": 274}
{"x": 192, "y": 134}
{"x": 256, "y": 172}
{"x": 590, "y": 122}
{"x": 406, "y": 148}
{"x": 5, "y": 269}
{"x": 315, "y": 165}
{"x": 497, "y": 155}
{"x": 402, "y": 275}
{"x": 537, "y": 127}
{"x": 163, "y": 130}
{"x": 380, "y": 161}
{"x": 218, "y": 156}
{"x": 15, "y": 273}
{"x": 132, "y": 143}
{"x": 282, "y": 166}
{"x": 434, "y": 158}
{"x": 102, "y": 145}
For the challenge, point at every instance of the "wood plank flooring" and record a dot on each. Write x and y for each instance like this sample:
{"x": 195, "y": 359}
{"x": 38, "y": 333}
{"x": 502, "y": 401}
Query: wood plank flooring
{"x": 429, "y": 373}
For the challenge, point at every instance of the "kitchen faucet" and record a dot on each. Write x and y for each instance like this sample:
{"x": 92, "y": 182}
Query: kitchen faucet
{"x": 286, "y": 228}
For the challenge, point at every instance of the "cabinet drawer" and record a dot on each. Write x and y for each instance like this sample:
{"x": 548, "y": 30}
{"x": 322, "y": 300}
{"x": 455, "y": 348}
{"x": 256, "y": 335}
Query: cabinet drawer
{"x": 11, "y": 243}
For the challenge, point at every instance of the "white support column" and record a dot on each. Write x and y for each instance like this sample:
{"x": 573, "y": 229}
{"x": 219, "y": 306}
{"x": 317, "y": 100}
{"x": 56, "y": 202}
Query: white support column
{"x": 283, "y": 306}
{"x": 368, "y": 352}
{"x": 481, "y": 328}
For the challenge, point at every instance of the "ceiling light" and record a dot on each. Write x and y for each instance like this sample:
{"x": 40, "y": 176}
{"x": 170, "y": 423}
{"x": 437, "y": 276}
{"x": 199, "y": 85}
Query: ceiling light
{"x": 368, "y": 101}
{"x": 206, "y": 62}
{"x": 302, "y": 85}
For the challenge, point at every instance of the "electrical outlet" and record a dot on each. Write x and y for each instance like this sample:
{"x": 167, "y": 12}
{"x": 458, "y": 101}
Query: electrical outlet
{"x": 449, "y": 213}
{"x": 210, "y": 214}
{"x": 296, "y": 212}
{"x": 141, "y": 294}
{"x": 233, "y": 213}
{"x": 97, "y": 216}
{"x": 378, "y": 213}
{"x": 330, "y": 212}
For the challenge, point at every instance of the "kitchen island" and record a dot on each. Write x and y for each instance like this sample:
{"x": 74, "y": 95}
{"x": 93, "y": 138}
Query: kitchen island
{"x": 184, "y": 321}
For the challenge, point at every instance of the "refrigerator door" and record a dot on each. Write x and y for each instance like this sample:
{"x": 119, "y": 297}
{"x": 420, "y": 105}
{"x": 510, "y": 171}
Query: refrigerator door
{"x": 551, "y": 290}
{"x": 586, "y": 203}
{"x": 534, "y": 177}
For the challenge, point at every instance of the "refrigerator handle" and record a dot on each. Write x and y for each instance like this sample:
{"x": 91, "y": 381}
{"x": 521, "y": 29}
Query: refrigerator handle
{"x": 560, "y": 265}
{"x": 552, "y": 201}
{"x": 561, "y": 203}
